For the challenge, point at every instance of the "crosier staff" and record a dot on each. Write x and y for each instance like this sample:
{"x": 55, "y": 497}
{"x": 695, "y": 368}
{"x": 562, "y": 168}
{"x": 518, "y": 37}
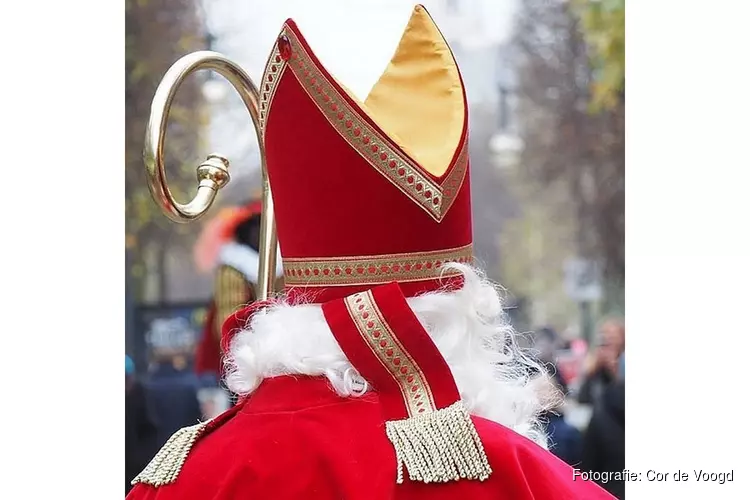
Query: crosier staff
{"x": 213, "y": 174}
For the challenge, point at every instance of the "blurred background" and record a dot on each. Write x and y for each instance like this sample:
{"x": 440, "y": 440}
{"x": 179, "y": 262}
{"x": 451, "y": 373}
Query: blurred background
{"x": 545, "y": 82}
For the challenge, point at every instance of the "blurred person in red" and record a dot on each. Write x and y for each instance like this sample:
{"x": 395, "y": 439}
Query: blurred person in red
{"x": 389, "y": 369}
{"x": 602, "y": 366}
{"x": 228, "y": 245}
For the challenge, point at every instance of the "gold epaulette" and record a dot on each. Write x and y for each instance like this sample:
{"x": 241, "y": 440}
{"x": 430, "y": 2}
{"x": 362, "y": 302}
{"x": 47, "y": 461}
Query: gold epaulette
{"x": 166, "y": 465}
{"x": 439, "y": 446}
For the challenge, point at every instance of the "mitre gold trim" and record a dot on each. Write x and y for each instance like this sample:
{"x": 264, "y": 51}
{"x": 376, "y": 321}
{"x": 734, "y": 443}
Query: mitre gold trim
{"x": 272, "y": 73}
{"x": 374, "y": 269}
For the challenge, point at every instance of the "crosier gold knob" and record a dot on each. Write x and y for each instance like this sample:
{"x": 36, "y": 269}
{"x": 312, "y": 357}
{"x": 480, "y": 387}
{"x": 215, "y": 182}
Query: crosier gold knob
{"x": 214, "y": 172}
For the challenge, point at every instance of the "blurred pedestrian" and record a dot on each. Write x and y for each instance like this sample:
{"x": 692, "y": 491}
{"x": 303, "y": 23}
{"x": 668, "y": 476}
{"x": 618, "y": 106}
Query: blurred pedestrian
{"x": 602, "y": 366}
{"x": 604, "y": 439}
{"x": 604, "y": 388}
{"x": 140, "y": 428}
{"x": 228, "y": 246}
{"x": 564, "y": 440}
{"x": 172, "y": 392}
{"x": 547, "y": 343}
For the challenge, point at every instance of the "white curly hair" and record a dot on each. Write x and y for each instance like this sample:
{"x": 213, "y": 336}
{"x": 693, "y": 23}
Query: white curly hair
{"x": 496, "y": 379}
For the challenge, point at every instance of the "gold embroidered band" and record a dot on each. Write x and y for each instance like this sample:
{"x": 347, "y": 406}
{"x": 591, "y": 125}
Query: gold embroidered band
{"x": 275, "y": 67}
{"x": 374, "y": 269}
{"x": 378, "y": 336}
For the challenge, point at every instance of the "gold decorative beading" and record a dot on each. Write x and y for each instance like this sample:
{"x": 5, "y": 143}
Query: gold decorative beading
{"x": 167, "y": 463}
{"x": 374, "y": 269}
{"x": 381, "y": 340}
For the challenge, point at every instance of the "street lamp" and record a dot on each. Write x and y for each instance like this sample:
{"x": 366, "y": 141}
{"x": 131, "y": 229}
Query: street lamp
{"x": 506, "y": 148}
{"x": 505, "y": 144}
{"x": 214, "y": 90}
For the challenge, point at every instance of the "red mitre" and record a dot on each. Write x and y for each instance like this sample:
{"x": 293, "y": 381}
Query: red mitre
{"x": 367, "y": 193}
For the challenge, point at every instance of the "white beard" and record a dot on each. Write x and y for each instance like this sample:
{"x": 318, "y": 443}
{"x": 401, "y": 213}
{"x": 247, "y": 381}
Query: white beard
{"x": 468, "y": 326}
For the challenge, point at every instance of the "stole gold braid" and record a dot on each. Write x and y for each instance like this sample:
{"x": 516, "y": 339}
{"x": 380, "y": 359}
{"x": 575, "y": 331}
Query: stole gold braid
{"x": 435, "y": 445}
{"x": 166, "y": 465}
{"x": 439, "y": 446}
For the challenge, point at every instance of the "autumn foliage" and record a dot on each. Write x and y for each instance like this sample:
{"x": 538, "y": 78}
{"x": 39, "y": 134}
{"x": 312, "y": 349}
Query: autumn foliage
{"x": 158, "y": 32}
{"x": 572, "y": 92}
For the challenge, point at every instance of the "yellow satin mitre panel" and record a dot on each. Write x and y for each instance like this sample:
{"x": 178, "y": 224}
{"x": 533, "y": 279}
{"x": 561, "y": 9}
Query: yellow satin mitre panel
{"x": 419, "y": 99}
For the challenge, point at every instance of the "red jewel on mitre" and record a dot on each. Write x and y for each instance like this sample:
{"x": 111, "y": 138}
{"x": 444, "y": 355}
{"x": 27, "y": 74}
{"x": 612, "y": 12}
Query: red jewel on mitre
{"x": 354, "y": 206}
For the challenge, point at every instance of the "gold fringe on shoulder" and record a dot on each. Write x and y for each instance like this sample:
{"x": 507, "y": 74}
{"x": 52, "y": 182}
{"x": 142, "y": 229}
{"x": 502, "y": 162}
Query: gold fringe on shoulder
{"x": 167, "y": 463}
{"x": 439, "y": 446}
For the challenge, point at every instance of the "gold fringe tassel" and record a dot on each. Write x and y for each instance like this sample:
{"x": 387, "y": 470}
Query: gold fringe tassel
{"x": 167, "y": 463}
{"x": 440, "y": 446}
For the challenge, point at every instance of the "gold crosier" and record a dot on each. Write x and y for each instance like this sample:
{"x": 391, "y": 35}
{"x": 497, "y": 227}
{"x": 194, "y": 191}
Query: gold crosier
{"x": 213, "y": 174}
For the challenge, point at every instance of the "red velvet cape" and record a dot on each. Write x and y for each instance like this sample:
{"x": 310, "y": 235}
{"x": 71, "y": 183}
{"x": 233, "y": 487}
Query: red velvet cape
{"x": 294, "y": 438}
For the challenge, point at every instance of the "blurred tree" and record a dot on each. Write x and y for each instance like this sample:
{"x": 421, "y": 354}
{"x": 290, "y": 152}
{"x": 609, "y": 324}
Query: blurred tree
{"x": 566, "y": 143}
{"x": 536, "y": 244}
{"x": 603, "y": 24}
{"x": 157, "y": 33}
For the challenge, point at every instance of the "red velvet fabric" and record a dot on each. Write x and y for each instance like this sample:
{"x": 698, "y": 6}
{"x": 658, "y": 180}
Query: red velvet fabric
{"x": 418, "y": 353}
{"x": 296, "y": 439}
{"x": 330, "y": 202}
